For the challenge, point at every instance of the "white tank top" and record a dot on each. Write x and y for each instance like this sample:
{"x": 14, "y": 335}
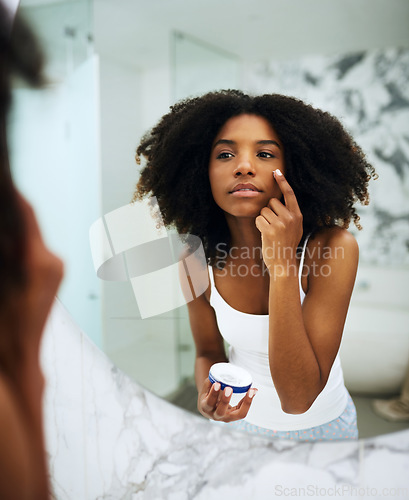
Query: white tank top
{"x": 247, "y": 334}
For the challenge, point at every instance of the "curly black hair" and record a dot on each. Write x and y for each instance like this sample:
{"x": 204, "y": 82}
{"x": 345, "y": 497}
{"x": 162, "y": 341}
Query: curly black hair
{"x": 325, "y": 167}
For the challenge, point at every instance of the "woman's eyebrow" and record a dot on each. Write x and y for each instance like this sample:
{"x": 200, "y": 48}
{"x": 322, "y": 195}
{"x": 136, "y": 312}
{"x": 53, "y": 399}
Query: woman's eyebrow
{"x": 268, "y": 141}
{"x": 223, "y": 141}
{"x": 232, "y": 143}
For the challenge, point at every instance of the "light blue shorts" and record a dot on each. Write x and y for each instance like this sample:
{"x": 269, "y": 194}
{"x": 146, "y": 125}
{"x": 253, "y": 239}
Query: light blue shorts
{"x": 343, "y": 427}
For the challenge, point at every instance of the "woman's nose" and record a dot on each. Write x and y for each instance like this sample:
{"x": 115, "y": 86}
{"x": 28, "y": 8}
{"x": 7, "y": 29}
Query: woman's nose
{"x": 244, "y": 167}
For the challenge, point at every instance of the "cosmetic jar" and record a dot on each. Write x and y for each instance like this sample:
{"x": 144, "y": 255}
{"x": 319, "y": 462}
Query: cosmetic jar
{"x": 229, "y": 375}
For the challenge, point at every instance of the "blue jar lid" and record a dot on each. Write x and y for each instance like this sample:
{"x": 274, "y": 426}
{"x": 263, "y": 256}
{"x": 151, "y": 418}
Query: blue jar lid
{"x": 229, "y": 375}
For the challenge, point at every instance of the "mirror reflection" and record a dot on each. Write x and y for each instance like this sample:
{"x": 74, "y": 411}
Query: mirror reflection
{"x": 115, "y": 70}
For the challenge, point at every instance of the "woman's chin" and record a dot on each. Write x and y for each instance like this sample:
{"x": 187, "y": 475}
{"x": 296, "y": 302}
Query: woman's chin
{"x": 244, "y": 214}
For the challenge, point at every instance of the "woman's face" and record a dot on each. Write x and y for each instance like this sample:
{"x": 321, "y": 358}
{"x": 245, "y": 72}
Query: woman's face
{"x": 244, "y": 155}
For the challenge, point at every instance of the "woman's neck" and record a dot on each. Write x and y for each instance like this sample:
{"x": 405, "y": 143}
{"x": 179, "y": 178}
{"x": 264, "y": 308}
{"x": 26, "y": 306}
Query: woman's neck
{"x": 244, "y": 234}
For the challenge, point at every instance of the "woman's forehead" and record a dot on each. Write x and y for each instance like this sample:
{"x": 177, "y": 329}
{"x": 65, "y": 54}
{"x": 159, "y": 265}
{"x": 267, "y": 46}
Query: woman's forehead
{"x": 249, "y": 127}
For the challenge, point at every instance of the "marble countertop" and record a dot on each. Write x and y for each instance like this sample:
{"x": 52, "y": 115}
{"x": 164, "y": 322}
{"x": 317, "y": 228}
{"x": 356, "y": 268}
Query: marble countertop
{"x": 108, "y": 438}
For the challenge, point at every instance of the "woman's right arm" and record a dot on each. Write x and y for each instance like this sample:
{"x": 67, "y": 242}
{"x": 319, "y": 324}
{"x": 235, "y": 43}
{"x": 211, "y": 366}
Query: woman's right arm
{"x": 212, "y": 403}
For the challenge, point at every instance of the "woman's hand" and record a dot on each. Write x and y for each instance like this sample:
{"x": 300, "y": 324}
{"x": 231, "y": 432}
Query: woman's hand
{"x": 280, "y": 226}
{"x": 215, "y": 404}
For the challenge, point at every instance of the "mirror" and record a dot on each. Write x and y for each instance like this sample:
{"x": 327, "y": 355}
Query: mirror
{"x": 114, "y": 69}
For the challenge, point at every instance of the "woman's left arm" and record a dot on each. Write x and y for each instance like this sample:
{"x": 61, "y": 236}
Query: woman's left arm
{"x": 304, "y": 340}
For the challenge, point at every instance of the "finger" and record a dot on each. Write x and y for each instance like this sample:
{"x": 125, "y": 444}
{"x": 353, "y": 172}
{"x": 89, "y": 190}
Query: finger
{"x": 278, "y": 208}
{"x": 261, "y": 223}
{"x": 240, "y": 411}
{"x": 243, "y": 406}
{"x": 289, "y": 196}
{"x": 210, "y": 396}
{"x": 224, "y": 403}
{"x": 269, "y": 214}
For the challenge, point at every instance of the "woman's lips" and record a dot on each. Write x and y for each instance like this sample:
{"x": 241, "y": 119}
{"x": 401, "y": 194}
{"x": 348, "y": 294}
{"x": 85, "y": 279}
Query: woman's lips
{"x": 245, "y": 190}
{"x": 245, "y": 193}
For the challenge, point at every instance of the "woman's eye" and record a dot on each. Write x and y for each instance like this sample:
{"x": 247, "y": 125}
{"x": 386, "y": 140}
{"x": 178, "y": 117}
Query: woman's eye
{"x": 265, "y": 154}
{"x": 223, "y": 156}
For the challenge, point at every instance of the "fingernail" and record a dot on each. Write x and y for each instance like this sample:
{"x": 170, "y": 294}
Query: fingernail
{"x": 278, "y": 172}
{"x": 252, "y": 392}
{"x": 228, "y": 391}
{"x": 216, "y": 386}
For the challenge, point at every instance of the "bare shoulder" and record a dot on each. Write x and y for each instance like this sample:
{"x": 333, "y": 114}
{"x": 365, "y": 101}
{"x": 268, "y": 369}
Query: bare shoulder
{"x": 340, "y": 236}
{"x": 334, "y": 242}
{"x": 332, "y": 259}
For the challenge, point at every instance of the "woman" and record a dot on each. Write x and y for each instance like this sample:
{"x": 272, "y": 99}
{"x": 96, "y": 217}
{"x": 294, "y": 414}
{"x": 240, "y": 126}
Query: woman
{"x": 29, "y": 279}
{"x": 268, "y": 183}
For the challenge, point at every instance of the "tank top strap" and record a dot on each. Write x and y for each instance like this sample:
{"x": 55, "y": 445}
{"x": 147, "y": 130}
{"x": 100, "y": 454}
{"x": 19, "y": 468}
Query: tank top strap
{"x": 211, "y": 276}
{"x": 302, "y": 259}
